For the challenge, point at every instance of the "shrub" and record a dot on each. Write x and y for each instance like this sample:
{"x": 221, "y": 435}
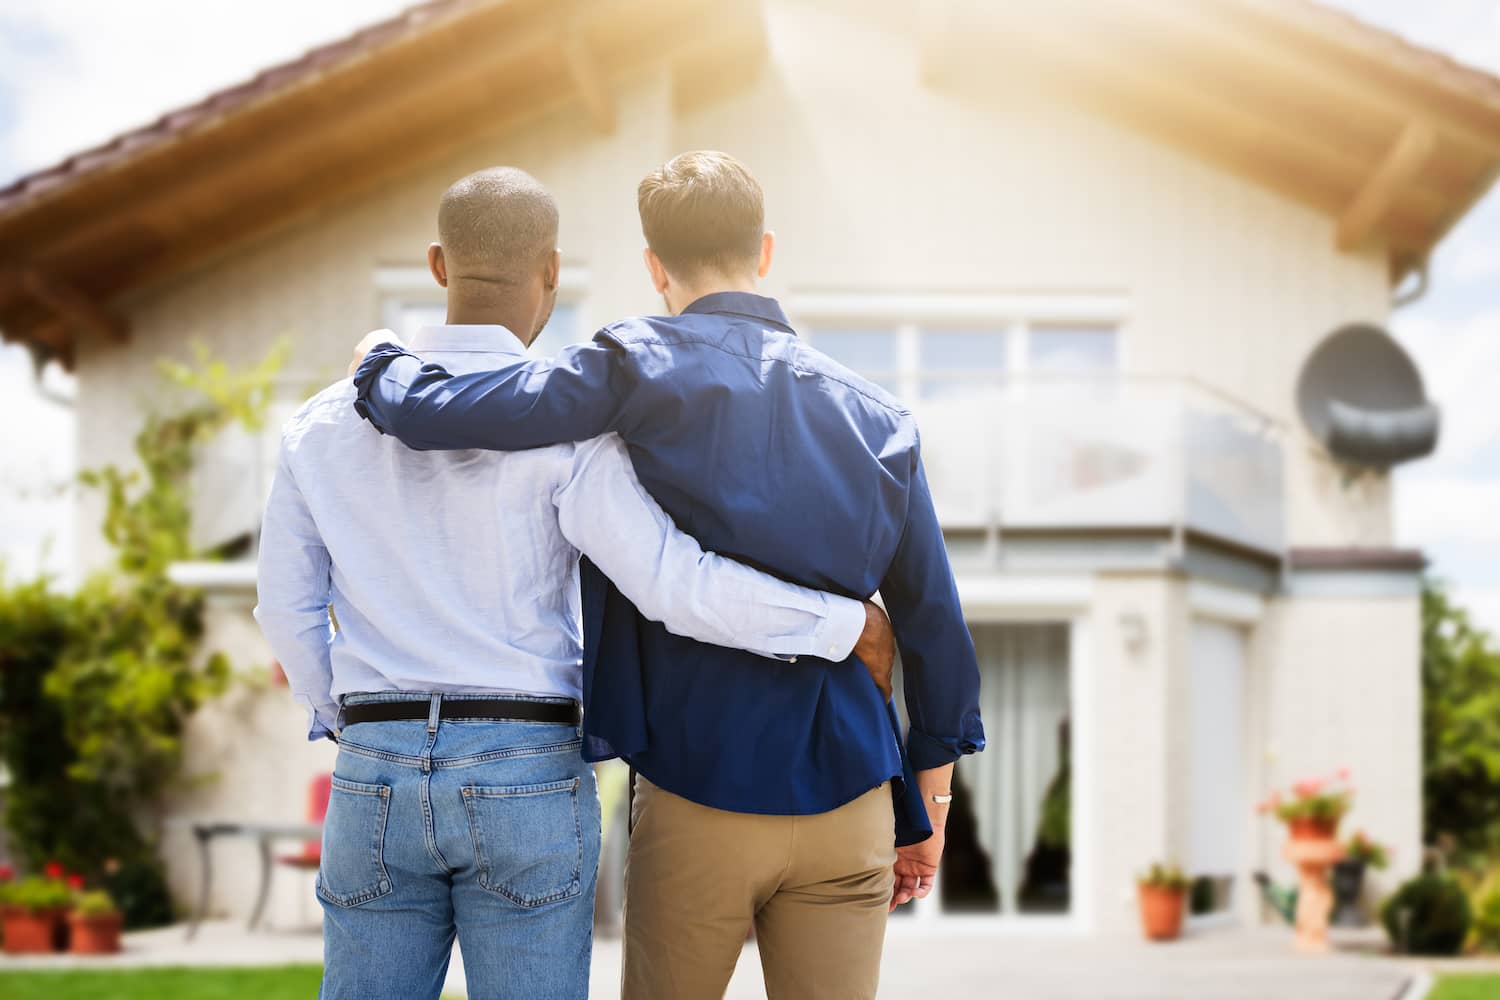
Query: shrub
{"x": 1429, "y": 915}
{"x": 96, "y": 686}
{"x": 1460, "y": 728}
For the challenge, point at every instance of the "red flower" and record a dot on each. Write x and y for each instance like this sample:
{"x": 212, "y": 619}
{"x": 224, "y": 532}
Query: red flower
{"x": 7, "y": 873}
{"x": 54, "y": 870}
{"x": 75, "y": 882}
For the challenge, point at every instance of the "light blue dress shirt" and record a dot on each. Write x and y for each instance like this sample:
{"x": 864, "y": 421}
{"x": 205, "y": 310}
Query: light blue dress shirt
{"x": 457, "y": 571}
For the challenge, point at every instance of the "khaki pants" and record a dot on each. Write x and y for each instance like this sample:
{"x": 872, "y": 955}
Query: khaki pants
{"x": 817, "y": 889}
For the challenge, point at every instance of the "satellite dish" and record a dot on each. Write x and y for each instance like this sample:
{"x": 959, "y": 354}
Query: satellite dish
{"x": 1361, "y": 396}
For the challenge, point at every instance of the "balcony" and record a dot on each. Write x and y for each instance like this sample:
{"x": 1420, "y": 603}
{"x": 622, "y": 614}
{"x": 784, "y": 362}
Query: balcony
{"x": 1104, "y": 453}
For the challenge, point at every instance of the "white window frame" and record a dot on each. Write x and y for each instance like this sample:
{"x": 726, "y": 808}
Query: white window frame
{"x": 908, "y": 314}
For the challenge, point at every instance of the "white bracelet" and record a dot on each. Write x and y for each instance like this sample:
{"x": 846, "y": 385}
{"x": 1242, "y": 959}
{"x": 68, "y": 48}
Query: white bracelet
{"x": 942, "y": 800}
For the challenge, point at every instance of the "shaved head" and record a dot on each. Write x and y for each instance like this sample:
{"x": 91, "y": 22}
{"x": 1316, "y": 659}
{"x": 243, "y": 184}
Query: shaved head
{"x": 498, "y": 225}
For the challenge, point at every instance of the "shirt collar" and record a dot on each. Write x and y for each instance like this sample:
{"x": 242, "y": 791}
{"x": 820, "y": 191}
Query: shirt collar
{"x": 488, "y": 338}
{"x": 747, "y": 304}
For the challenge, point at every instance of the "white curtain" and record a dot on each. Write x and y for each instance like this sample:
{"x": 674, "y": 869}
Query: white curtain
{"x": 1024, "y": 699}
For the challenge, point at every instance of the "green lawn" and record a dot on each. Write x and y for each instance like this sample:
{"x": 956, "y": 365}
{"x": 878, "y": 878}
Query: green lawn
{"x": 1466, "y": 987}
{"x": 288, "y": 982}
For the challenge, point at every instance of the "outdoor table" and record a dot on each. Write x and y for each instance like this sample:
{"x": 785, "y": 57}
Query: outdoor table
{"x": 265, "y": 834}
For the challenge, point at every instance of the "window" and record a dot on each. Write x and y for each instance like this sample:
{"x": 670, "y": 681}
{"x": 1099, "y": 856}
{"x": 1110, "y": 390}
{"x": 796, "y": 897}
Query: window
{"x": 920, "y": 362}
{"x": 1071, "y": 349}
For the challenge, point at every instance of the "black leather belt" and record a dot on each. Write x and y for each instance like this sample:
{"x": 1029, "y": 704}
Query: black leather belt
{"x": 563, "y": 713}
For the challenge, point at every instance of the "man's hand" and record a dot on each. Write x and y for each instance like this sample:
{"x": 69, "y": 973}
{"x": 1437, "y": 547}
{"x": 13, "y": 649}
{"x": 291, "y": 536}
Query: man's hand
{"x": 876, "y": 648}
{"x": 916, "y": 868}
{"x": 367, "y": 344}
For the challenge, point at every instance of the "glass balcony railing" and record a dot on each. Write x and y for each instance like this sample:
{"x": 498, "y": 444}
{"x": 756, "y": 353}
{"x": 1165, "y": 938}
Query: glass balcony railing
{"x": 1104, "y": 453}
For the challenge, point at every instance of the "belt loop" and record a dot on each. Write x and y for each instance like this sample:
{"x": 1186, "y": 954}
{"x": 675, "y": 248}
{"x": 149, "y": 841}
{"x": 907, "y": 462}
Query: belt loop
{"x": 434, "y": 711}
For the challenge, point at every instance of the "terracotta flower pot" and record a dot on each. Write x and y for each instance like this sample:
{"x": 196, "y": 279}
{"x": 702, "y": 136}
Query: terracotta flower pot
{"x": 1312, "y": 829}
{"x": 1161, "y": 912}
{"x": 98, "y": 934}
{"x": 28, "y": 932}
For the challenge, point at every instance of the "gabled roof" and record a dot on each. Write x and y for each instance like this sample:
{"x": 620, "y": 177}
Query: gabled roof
{"x": 330, "y": 125}
{"x": 1393, "y": 141}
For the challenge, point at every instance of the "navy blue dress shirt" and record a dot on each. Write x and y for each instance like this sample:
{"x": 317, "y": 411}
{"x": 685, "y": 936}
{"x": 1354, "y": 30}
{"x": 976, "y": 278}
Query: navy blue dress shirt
{"x": 770, "y": 452}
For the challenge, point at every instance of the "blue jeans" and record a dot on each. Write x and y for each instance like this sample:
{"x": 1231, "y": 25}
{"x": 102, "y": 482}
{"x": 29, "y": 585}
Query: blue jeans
{"x": 484, "y": 829}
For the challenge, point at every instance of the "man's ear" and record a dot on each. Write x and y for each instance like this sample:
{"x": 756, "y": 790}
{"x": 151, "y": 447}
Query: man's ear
{"x": 767, "y": 251}
{"x": 553, "y": 277}
{"x": 659, "y": 279}
{"x": 437, "y": 265}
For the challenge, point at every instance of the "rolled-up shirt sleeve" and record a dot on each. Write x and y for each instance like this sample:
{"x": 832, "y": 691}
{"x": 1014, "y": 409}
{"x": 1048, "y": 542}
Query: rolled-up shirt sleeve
{"x": 606, "y": 514}
{"x": 939, "y": 669}
{"x": 293, "y": 585}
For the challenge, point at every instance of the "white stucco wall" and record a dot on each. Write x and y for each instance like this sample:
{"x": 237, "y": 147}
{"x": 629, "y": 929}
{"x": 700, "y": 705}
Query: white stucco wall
{"x": 1342, "y": 688}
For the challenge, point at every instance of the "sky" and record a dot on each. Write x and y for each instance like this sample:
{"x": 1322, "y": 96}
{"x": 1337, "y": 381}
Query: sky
{"x": 75, "y": 72}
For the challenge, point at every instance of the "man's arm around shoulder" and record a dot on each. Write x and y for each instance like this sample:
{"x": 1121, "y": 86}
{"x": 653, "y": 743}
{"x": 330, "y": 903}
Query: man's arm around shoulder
{"x": 573, "y": 397}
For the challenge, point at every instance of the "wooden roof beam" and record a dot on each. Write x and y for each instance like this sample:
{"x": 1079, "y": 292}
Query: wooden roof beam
{"x": 583, "y": 66}
{"x": 1371, "y": 207}
{"x": 74, "y": 307}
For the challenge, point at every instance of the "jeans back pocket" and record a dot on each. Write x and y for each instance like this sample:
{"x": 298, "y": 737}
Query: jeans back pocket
{"x": 527, "y": 840}
{"x": 352, "y": 870}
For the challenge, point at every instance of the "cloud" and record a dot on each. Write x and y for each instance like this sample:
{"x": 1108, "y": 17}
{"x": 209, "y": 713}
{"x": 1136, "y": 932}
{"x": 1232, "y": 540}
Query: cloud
{"x": 74, "y": 74}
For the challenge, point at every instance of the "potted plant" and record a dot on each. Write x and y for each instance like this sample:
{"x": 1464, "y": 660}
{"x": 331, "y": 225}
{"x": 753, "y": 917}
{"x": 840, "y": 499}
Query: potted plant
{"x": 1163, "y": 898}
{"x": 1315, "y": 807}
{"x": 95, "y": 924}
{"x": 31, "y": 912}
{"x": 1360, "y": 853}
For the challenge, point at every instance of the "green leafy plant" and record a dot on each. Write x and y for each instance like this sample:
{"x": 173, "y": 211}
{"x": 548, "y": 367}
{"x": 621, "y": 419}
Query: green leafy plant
{"x": 96, "y": 686}
{"x": 1373, "y": 853}
{"x": 1429, "y": 915}
{"x": 1165, "y": 876}
{"x": 95, "y": 903}
{"x": 35, "y": 894}
{"x": 1460, "y": 728}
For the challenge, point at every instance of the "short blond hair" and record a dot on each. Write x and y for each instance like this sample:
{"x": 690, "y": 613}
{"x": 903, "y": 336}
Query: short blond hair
{"x": 702, "y": 211}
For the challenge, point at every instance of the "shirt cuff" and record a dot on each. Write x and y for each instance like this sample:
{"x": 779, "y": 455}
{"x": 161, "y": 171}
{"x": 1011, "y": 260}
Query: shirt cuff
{"x": 373, "y": 367}
{"x": 843, "y": 624}
{"x": 322, "y": 722}
{"x": 927, "y": 751}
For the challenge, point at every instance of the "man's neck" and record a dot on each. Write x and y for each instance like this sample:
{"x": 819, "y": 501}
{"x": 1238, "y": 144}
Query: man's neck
{"x": 466, "y": 313}
{"x": 684, "y": 297}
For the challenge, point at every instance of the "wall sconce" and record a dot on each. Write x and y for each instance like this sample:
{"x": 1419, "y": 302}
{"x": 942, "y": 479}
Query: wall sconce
{"x": 1133, "y": 632}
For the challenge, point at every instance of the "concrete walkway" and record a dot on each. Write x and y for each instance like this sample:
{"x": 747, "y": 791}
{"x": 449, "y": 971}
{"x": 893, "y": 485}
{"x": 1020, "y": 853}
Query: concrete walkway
{"x": 922, "y": 964}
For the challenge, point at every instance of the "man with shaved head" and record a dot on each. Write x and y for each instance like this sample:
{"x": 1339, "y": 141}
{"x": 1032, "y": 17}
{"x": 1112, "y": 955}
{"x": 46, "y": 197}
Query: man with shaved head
{"x": 461, "y": 805}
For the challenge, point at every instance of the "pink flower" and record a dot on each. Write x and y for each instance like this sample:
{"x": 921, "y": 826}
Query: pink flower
{"x": 1343, "y": 773}
{"x": 53, "y": 870}
{"x": 7, "y": 873}
{"x": 1308, "y": 787}
{"x": 75, "y": 882}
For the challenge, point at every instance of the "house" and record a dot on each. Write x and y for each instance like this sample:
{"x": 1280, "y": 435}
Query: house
{"x": 1095, "y": 245}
